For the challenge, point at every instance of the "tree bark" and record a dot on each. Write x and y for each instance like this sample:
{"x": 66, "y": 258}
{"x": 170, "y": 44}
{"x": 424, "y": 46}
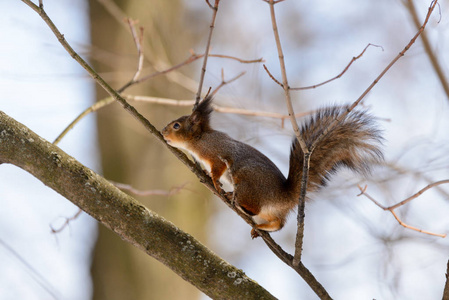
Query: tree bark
{"x": 122, "y": 214}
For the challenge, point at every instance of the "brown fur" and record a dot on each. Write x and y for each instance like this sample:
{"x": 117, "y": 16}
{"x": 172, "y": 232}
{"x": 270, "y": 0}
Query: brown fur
{"x": 260, "y": 189}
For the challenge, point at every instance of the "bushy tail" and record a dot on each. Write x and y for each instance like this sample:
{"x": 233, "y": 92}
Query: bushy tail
{"x": 354, "y": 142}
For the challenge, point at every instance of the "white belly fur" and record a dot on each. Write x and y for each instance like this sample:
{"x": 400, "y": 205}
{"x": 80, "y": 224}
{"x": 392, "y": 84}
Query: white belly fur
{"x": 225, "y": 178}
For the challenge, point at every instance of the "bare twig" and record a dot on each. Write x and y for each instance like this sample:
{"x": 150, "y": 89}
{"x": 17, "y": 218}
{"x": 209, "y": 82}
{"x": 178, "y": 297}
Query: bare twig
{"x": 210, "y": 5}
{"x": 428, "y": 48}
{"x": 96, "y": 106}
{"x": 165, "y": 101}
{"x": 387, "y": 68}
{"x": 401, "y": 54}
{"x": 284, "y": 77}
{"x": 339, "y": 75}
{"x": 239, "y": 111}
{"x": 305, "y": 149}
{"x": 294, "y": 261}
{"x": 272, "y": 77}
{"x": 415, "y": 228}
{"x": 138, "y": 38}
{"x": 418, "y": 193}
{"x": 206, "y": 52}
{"x": 217, "y": 108}
{"x": 243, "y": 61}
{"x": 224, "y": 82}
{"x": 393, "y": 207}
{"x": 193, "y": 58}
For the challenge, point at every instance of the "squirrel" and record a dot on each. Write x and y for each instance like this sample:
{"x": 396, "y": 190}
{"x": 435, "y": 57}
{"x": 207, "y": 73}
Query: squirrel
{"x": 260, "y": 189}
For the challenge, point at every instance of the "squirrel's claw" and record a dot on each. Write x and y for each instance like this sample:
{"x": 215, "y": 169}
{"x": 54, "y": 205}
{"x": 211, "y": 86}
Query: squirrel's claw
{"x": 254, "y": 234}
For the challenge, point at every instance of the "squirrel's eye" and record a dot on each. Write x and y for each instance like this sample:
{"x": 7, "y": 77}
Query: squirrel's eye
{"x": 176, "y": 125}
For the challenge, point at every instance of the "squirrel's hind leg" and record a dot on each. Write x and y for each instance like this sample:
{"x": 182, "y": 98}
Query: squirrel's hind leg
{"x": 267, "y": 221}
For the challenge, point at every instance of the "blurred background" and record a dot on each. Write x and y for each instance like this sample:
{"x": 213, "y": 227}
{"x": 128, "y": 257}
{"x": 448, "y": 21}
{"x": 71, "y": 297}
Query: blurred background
{"x": 355, "y": 249}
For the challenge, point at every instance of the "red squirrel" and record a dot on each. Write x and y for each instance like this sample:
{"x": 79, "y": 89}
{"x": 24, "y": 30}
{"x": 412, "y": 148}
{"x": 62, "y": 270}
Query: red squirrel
{"x": 260, "y": 189}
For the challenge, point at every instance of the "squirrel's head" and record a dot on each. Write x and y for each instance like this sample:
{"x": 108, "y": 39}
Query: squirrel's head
{"x": 187, "y": 128}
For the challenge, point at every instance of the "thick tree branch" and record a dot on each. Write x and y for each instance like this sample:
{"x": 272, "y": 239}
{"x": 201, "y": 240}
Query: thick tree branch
{"x": 125, "y": 216}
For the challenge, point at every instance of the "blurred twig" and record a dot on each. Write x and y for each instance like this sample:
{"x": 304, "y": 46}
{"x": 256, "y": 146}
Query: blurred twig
{"x": 38, "y": 277}
{"x": 66, "y": 223}
{"x": 138, "y": 38}
{"x": 131, "y": 189}
{"x": 193, "y": 57}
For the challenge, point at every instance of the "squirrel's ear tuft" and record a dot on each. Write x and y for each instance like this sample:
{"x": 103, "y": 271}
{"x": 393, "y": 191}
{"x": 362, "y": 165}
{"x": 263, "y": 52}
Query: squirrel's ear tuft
{"x": 205, "y": 106}
{"x": 202, "y": 112}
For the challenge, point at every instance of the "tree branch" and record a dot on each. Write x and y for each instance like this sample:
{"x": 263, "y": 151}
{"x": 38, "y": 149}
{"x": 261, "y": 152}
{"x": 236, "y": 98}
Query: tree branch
{"x": 446, "y": 286}
{"x": 124, "y": 215}
{"x": 302, "y": 143}
{"x": 138, "y": 38}
{"x": 432, "y": 57}
{"x": 206, "y": 52}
